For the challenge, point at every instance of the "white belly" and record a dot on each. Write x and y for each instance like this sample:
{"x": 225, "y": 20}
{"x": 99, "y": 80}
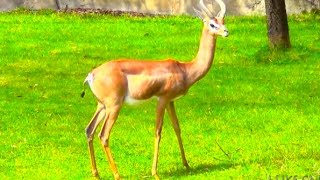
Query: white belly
{"x": 132, "y": 101}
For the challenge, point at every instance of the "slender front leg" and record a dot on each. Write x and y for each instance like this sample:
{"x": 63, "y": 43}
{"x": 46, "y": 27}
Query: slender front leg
{"x": 90, "y": 130}
{"x": 104, "y": 137}
{"x": 175, "y": 123}
{"x": 159, "y": 121}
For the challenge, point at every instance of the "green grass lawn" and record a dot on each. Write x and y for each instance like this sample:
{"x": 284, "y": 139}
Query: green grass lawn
{"x": 254, "y": 116}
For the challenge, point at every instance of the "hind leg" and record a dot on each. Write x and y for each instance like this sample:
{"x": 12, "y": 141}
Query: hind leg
{"x": 90, "y": 131}
{"x": 105, "y": 135}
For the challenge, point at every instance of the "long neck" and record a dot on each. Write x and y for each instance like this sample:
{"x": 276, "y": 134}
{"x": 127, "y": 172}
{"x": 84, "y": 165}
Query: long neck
{"x": 199, "y": 67}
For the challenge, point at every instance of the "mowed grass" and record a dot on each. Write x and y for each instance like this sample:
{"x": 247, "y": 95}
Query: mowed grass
{"x": 254, "y": 116}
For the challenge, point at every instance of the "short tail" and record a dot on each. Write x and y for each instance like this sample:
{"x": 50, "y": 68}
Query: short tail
{"x": 84, "y": 89}
{"x": 88, "y": 79}
{"x": 83, "y": 93}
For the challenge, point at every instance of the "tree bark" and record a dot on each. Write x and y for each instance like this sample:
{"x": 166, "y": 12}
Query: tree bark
{"x": 278, "y": 29}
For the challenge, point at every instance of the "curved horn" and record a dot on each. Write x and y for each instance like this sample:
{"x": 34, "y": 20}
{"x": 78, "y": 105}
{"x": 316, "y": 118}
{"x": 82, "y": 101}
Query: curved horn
{"x": 205, "y": 9}
{"x": 223, "y": 8}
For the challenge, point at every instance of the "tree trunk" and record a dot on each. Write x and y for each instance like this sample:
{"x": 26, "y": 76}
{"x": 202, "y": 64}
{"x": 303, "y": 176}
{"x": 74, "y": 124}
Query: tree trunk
{"x": 278, "y": 29}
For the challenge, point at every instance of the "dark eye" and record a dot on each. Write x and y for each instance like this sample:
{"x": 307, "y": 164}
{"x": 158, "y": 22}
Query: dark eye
{"x": 212, "y": 25}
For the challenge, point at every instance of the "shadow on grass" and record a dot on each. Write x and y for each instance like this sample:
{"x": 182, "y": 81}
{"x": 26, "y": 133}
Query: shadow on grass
{"x": 199, "y": 169}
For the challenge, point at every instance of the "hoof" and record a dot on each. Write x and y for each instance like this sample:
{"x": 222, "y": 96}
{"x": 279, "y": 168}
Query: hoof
{"x": 156, "y": 177}
{"x": 187, "y": 167}
{"x": 95, "y": 174}
{"x": 117, "y": 176}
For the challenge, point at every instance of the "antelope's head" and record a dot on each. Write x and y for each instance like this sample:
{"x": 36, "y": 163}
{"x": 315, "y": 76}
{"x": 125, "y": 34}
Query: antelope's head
{"x": 215, "y": 24}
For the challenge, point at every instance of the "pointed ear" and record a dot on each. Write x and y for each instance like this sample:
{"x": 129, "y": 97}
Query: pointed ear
{"x": 199, "y": 14}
